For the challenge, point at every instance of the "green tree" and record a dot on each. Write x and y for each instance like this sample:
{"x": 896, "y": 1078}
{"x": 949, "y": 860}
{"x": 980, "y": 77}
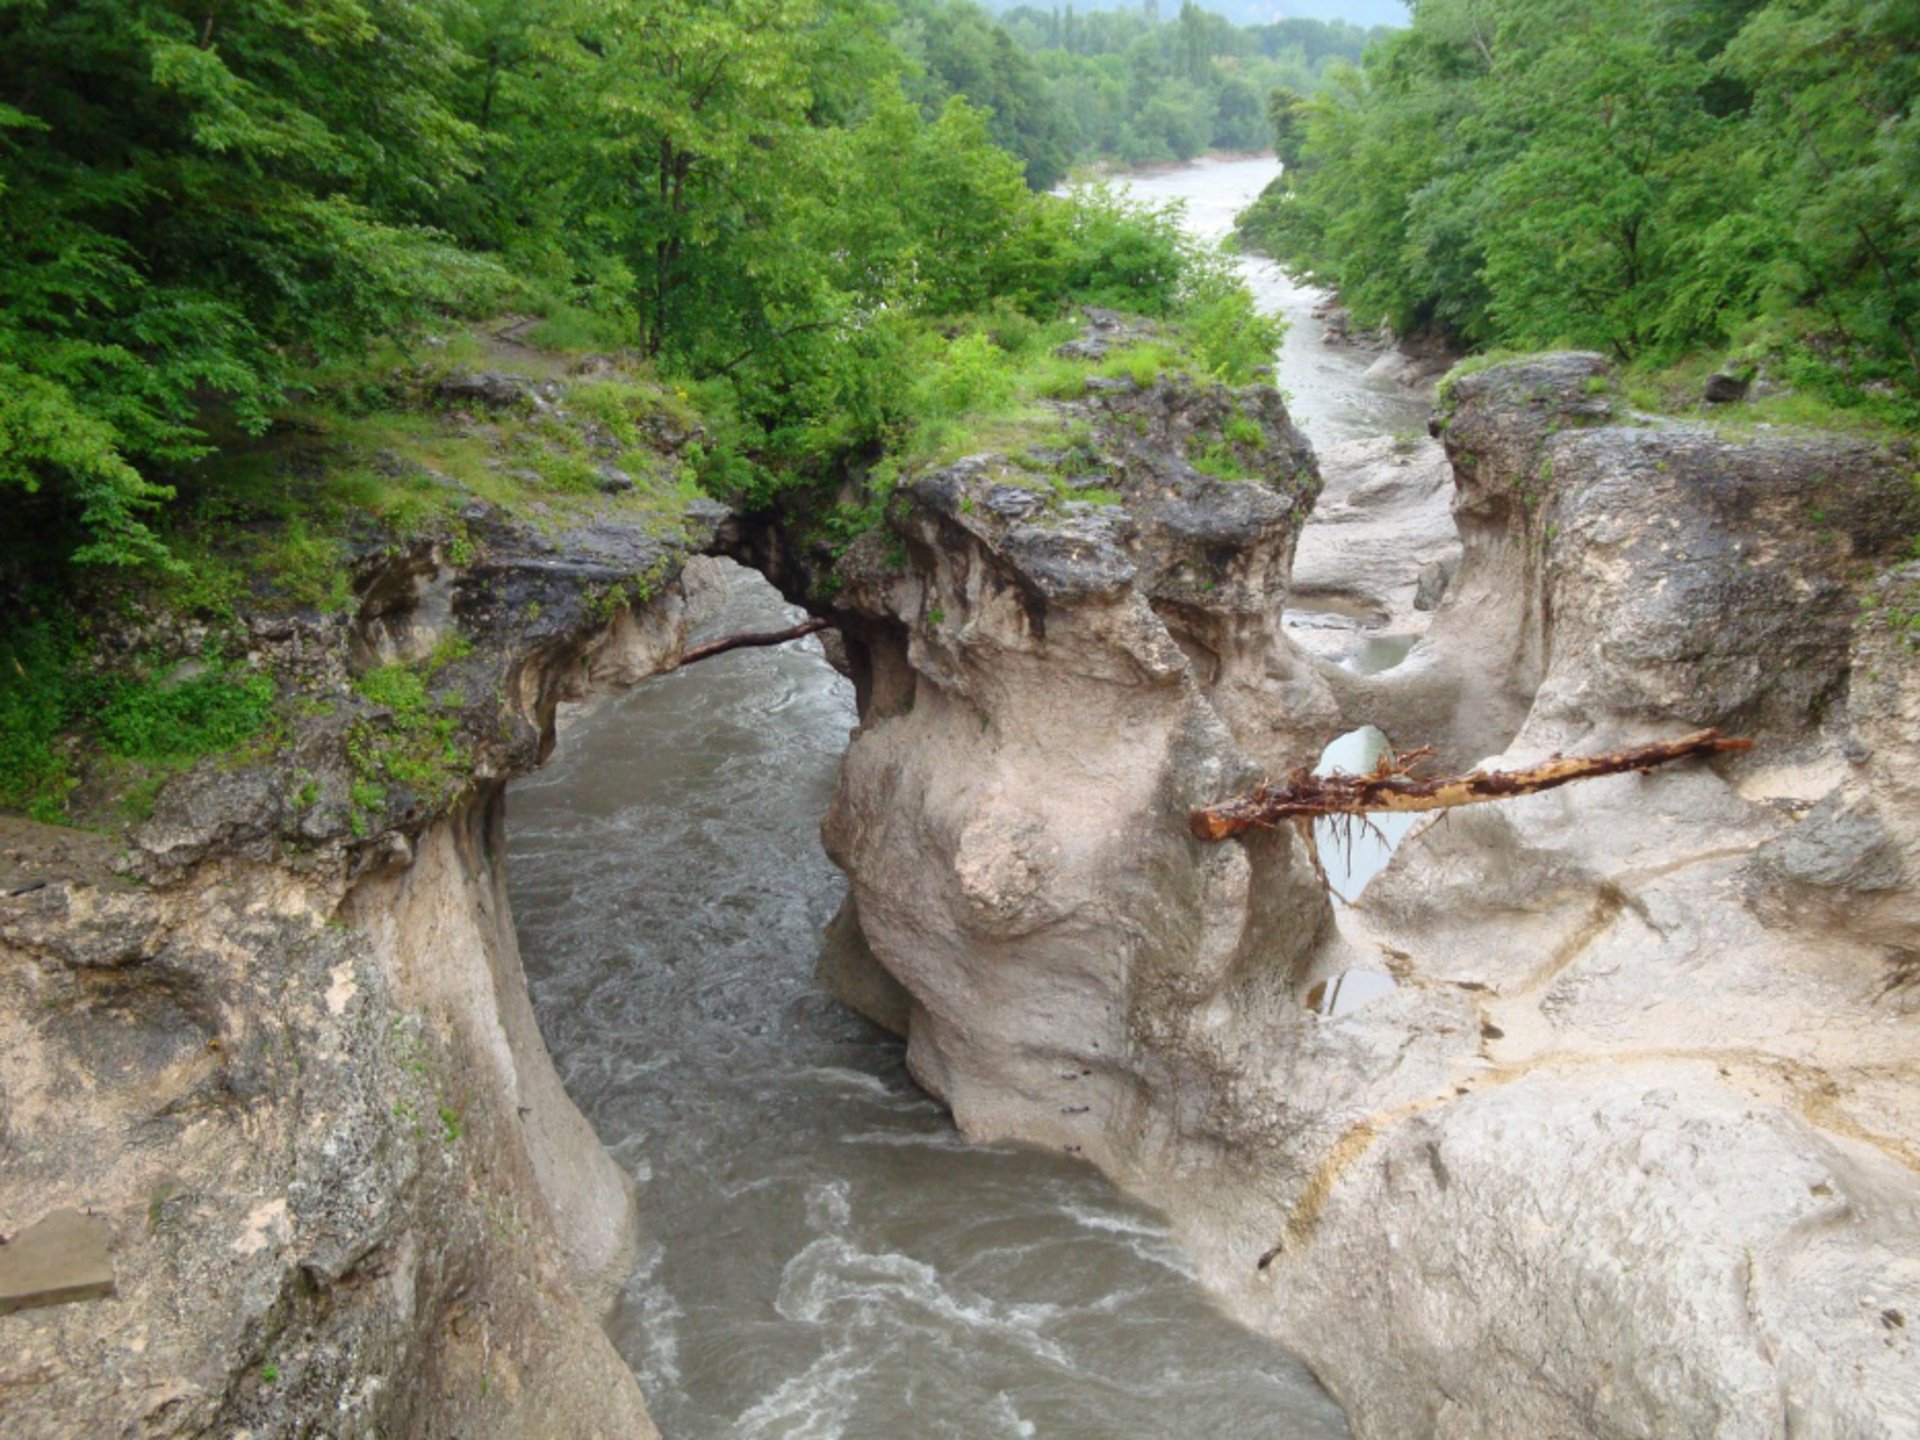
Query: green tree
{"x": 1835, "y": 85}
{"x": 192, "y": 203}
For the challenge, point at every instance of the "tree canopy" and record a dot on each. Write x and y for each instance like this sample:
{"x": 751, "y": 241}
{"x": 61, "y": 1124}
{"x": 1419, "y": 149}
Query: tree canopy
{"x": 1133, "y": 86}
{"x": 1649, "y": 180}
{"x": 199, "y": 208}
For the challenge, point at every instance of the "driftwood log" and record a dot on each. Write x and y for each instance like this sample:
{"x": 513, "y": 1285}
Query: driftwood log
{"x": 1393, "y": 787}
{"x": 752, "y": 638}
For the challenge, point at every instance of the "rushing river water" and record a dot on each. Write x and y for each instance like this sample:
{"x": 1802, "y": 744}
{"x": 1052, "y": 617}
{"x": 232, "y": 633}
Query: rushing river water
{"x": 826, "y": 1259}
{"x": 1329, "y": 395}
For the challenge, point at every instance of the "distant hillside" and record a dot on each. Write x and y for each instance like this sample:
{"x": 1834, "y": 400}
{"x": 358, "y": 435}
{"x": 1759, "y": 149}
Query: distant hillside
{"x": 1261, "y": 12}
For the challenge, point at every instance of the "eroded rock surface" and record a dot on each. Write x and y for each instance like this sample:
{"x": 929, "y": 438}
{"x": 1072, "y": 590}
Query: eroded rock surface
{"x": 1382, "y": 537}
{"x": 1043, "y": 680}
{"x": 282, "y": 1043}
{"x": 1630, "y": 1148}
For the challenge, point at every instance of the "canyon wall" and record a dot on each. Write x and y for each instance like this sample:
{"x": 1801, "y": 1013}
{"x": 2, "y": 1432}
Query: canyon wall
{"x": 279, "y": 1049}
{"x": 1622, "y": 1144}
{"x": 1626, "y": 1146}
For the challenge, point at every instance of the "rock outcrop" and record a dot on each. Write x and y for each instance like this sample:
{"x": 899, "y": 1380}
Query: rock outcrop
{"x": 1665, "y": 1182}
{"x": 1383, "y": 522}
{"x": 1627, "y": 1146}
{"x": 282, "y": 1043}
{"x": 1043, "y": 682}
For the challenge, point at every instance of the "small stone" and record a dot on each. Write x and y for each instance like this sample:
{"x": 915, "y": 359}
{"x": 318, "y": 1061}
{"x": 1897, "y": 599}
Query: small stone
{"x": 396, "y": 851}
{"x": 614, "y": 481}
{"x": 1082, "y": 350}
{"x": 1435, "y": 577}
{"x": 61, "y": 1260}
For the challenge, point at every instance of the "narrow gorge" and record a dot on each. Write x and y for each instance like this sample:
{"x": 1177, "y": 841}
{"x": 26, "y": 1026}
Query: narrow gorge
{"x": 515, "y": 1110}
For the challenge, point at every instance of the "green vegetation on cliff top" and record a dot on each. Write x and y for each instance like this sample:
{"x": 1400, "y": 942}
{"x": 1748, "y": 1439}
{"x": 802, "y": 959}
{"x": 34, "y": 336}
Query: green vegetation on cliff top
{"x": 1680, "y": 185}
{"x": 206, "y": 216}
{"x": 241, "y": 252}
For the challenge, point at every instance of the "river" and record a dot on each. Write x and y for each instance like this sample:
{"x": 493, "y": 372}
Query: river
{"x": 825, "y": 1258}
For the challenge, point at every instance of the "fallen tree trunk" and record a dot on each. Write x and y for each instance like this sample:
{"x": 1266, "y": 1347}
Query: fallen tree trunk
{"x": 1393, "y": 787}
{"x": 752, "y": 638}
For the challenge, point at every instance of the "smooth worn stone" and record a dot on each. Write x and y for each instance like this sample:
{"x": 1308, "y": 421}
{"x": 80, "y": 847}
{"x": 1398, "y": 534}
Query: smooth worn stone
{"x": 1621, "y": 1141}
{"x": 59, "y": 1261}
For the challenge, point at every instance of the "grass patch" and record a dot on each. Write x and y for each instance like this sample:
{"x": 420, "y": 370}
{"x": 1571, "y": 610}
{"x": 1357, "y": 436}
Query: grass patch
{"x": 413, "y": 745}
{"x": 972, "y": 396}
{"x": 365, "y": 457}
{"x": 1221, "y": 461}
{"x": 1676, "y": 390}
{"x": 63, "y": 719}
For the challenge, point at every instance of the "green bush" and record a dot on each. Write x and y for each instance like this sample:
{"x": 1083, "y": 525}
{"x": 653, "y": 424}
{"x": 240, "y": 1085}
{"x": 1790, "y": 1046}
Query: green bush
{"x": 57, "y": 708}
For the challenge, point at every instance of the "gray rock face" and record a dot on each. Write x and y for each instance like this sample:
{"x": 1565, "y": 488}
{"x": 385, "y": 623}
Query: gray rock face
{"x": 494, "y": 390}
{"x": 1383, "y": 522}
{"x": 1106, "y": 331}
{"x": 1431, "y": 585}
{"x": 1630, "y": 1147}
{"x": 1646, "y": 1180}
{"x": 1665, "y": 570}
{"x": 293, "y": 1066}
{"x": 1725, "y": 389}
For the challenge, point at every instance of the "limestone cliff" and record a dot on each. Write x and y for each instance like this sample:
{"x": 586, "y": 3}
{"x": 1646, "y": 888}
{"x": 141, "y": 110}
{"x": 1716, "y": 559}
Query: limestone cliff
{"x": 1629, "y": 1147}
{"x": 281, "y": 1043}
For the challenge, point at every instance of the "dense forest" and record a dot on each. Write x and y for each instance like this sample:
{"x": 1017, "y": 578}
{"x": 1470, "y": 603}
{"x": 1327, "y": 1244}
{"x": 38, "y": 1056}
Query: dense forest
{"x": 204, "y": 209}
{"x": 1063, "y": 87}
{"x": 1138, "y": 89}
{"x": 237, "y": 244}
{"x": 1730, "y": 181}
{"x": 1257, "y": 12}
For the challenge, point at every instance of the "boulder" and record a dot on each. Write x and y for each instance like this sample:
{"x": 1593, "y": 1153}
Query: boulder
{"x": 1723, "y": 388}
{"x": 493, "y": 391}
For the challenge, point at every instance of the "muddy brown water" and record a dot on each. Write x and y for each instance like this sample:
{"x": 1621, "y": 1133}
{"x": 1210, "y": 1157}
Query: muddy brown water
{"x": 825, "y": 1257}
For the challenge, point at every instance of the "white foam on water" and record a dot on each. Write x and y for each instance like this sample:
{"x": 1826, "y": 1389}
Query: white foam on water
{"x": 744, "y": 1188}
{"x": 659, "y": 1362}
{"x": 917, "y": 1139}
{"x": 833, "y": 1281}
{"x": 816, "y": 1404}
{"x": 1007, "y": 1414}
{"x": 1145, "y": 1237}
{"x": 1116, "y": 1224}
{"x": 846, "y": 1079}
{"x": 828, "y": 1207}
